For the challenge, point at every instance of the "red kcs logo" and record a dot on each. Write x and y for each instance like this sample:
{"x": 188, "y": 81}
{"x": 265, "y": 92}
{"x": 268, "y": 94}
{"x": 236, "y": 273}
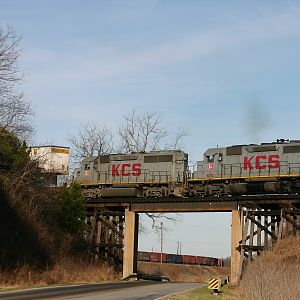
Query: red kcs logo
{"x": 262, "y": 162}
{"x": 126, "y": 169}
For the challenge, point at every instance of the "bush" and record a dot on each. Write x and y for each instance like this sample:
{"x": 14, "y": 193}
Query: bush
{"x": 73, "y": 208}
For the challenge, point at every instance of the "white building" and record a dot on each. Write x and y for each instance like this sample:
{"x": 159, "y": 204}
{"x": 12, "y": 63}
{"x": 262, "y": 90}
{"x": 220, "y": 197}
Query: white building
{"x": 52, "y": 159}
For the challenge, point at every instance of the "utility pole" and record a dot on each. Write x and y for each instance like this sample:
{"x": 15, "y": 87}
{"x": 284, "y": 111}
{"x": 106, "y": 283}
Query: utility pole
{"x": 161, "y": 241}
{"x": 178, "y": 247}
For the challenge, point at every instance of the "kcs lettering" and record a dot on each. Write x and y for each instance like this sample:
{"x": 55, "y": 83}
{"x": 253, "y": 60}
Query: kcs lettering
{"x": 262, "y": 162}
{"x": 126, "y": 169}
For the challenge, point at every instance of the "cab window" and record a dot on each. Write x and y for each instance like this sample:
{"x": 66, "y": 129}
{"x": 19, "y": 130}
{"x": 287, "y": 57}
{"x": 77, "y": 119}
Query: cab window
{"x": 210, "y": 158}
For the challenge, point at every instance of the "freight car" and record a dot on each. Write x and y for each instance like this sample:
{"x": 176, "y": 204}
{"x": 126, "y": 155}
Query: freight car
{"x": 153, "y": 174}
{"x": 174, "y": 258}
{"x": 179, "y": 259}
{"x": 143, "y": 256}
{"x": 272, "y": 168}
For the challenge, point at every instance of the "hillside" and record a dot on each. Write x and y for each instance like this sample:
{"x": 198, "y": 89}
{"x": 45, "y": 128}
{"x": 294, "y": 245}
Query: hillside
{"x": 275, "y": 274}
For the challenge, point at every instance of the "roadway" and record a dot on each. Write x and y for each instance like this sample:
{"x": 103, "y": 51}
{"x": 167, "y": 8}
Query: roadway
{"x": 143, "y": 290}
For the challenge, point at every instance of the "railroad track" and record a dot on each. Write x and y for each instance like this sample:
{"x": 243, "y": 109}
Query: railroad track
{"x": 262, "y": 198}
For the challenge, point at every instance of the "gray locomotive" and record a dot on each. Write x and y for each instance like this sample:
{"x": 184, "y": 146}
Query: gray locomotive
{"x": 154, "y": 174}
{"x": 248, "y": 169}
{"x": 239, "y": 169}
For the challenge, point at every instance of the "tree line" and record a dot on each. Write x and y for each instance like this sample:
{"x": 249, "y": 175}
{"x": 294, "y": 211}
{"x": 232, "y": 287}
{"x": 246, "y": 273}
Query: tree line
{"x": 35, "y": 219}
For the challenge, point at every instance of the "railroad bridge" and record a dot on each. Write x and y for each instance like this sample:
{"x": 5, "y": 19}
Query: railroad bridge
{"x": 258, "y": 221}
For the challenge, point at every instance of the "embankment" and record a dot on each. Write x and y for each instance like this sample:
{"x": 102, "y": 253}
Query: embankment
{"x": 182, "y": 273}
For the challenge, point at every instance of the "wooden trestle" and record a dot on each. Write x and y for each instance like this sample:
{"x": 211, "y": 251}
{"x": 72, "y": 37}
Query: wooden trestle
{"x": 261, "y": 228}
{"x": 105, "y": 235}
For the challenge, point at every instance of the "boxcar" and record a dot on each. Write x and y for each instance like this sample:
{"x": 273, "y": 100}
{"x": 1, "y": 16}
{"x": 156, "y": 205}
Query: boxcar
{"x": 143, "y": 256}
{"x": 156, "y": 257}
{"x": 174, "y": 258}
{"x": 189, "y": 259}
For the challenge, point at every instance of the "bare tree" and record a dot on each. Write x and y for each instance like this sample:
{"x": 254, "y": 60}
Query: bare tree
{"x": 144, "y": 132}
{"x": 177, "y": 144}
{"x": 92, "y": 139}
{"x": 172, "y": 218}
{"x": 141, "y": 132}
{"x": 15, "y": 111}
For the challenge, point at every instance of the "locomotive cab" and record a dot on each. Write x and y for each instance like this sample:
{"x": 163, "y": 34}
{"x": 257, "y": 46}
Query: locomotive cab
{"x": 211, "y": 165}
{"x": 85, "y": 173}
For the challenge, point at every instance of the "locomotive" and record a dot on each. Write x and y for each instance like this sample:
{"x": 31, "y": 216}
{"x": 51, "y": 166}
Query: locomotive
{"x": 267, "y": 168}
{"x": 154, "y": 174}
{"x": 248, "y": 169}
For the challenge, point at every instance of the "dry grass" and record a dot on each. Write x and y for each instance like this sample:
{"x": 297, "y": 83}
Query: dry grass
{"x": 204, "y": 293}
{"x": 275, "y": 274}
{"x": 182, "y": 273}
{"x": 65, "y": 271}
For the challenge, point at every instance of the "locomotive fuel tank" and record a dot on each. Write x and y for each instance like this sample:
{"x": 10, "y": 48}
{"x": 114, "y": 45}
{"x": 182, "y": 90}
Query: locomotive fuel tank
{"x": 253, "y": 188}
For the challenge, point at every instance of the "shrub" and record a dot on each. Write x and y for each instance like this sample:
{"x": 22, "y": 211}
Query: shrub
{"x": 73, "y": 208}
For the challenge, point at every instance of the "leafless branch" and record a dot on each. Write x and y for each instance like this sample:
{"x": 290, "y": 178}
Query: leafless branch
{"x": 15, "y": 111}
{"x": 91, "y": 140}
{"x": 177, "y": 144}
{"x": 141, "y": 132}
{"x": 160, "y": 217}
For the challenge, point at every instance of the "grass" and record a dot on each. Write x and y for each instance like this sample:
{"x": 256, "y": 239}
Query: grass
{"x": 275, "y": 274}
{"x": 64, "y": 272}
{"x": 204, "y": 293}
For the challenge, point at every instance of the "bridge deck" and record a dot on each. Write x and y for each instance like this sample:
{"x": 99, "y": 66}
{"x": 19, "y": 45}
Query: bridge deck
{"x": 213, "y": 204}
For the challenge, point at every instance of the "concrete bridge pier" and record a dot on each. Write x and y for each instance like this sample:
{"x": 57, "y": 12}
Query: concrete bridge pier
{"x": 236, "y": 237}
{"x": 130, "y": 243}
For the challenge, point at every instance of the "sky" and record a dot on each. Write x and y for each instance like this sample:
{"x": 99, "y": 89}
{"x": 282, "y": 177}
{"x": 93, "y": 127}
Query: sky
{"x": 226, "y": 71}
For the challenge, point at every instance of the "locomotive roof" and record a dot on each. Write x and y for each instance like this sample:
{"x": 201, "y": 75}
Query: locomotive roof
{"x": 50, "y": 146}
{"x": 279, "y": 141}
{"x": 149, "y": 152}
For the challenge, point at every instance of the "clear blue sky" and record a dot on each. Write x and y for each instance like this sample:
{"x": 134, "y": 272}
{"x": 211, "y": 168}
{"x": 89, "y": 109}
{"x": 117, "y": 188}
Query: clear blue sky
{"x": 227, "y": 71}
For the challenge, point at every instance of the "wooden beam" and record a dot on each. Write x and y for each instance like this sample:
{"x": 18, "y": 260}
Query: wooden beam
{"x": 266, "y": 213}
{"x": 291, "y": 221}
{"x": 93, "y": 227}
{"x": 245, "y": 234}
{"x": 111, "y": 213}
{"x": 250, "y": 248}
{"x": 251, "y": 239}
{"x": 258, "y": 231}
{"x": 110, "y": 226}
{"x": 262, "y": 227}
{"x": 184, "y": 207}
{"x": 109, "y": 245}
